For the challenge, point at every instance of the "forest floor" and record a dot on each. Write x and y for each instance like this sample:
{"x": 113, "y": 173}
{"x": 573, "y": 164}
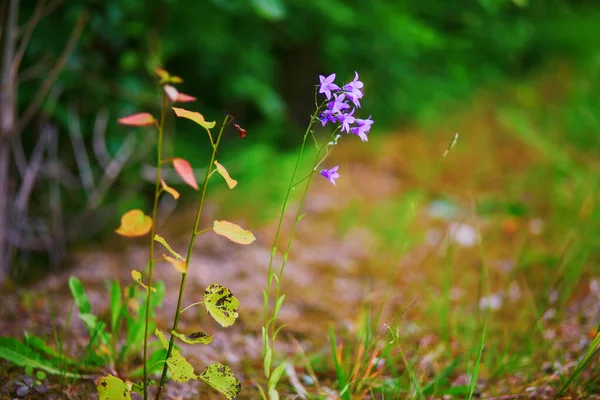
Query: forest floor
{"x": 412, "y": 260}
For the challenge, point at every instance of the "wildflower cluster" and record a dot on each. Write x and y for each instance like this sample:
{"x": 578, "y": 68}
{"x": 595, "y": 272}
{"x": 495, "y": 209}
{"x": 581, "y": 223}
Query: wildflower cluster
{"x": 339, "y": 109}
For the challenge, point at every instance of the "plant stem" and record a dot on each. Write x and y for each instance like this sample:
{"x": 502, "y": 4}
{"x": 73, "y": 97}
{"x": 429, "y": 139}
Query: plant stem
{"x": 157, "y": 191}
{"x": 195, "y": 234}
{"x": 267, "y": 319}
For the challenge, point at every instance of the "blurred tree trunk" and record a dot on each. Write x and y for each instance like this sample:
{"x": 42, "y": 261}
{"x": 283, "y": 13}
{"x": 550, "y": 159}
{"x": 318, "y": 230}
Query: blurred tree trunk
{"x": 7, "y": 122}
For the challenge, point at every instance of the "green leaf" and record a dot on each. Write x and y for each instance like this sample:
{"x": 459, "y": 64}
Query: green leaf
{"x": 270, "y": 9}
{"x": 19, "y": 354}
{"x": 221, "y": 304}
{"x": 78, "y": 292}
{"x": 219, "y": 376}
{"x": 278, "y": 304}
{"x": 139, "y": 388}
{"x": 115, "y": 305}
{"x": 181, "y": 369}
{"x": 193, "y": 338}
{"x": 275, "y": 376}
{"x": 112, "y": 388}
{"x": 162, "y": 241}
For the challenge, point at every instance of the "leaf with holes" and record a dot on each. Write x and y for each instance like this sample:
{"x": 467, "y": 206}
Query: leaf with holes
{"x": 181, "y": 369}
{"x": 111, "y": 388}
{"x": 134, "y": 223}
{"x": 219, "y": 376}
{"x": 233, "y": 232}
{"x": 223, "y": 172}
{"x": 169, "y": 189}
{"x": 140, "y": 119}
{"x": 193, "y": 338}
{"x": 221, "y": 304}
{"x": 185, "y": 171}
{"x": 194, "y": 116}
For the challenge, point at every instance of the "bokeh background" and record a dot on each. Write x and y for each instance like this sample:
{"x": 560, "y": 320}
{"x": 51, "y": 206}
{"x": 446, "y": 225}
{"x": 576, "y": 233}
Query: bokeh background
{"x": 421, "y": 61}
{"x": 518, "y": 80}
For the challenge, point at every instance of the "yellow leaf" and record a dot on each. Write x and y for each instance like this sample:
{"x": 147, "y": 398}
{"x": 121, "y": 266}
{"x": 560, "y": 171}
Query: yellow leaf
{"x": 137, "y": 276}
{"x": 180, "y": 266}
{"x": 223, "y": 172}
{"x": 233, "y": 232}
{"x": 162, "y": 241}
{"x": 194, "y": 116}
{"x": 134, "y": 223}
{"x": 169, "y": 189}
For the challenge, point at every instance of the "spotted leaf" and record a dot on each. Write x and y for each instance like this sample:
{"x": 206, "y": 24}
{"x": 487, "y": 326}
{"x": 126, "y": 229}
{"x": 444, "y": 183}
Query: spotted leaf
{"x": 219, "y": 376}
{"x": 193, "y": 338}
{"x": 221, "y": 304}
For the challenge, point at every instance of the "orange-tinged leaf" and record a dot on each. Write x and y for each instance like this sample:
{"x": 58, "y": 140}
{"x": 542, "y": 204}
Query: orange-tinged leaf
{"x": 169, "y": 189}
{"x": 177, "y": 97}
{"x": 140, "y": 119}
{"x": 134, "y": 223}
{"x": 223, "y": 172}
{"x": 194, "y": 116}
{"x": 185, "y": 171}
{"x": 180, "y": 266}
{"x": 184, "y": 98}
{"x": 233, "y": 232}
{"x": 162, "y": 73}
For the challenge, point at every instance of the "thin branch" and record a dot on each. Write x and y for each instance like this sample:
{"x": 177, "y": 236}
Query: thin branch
{"x": 17, "y": 145}
{"x": 45, "y": 11}
{"x": 99, "y": 138}
{"x": 79, "y": 150}
{"x": 56, "y": 207}
{"x": 112, "y": 172}
{"x": 36, "y": 70}
{"x": 37, "y": 13}
{"x": 34, "y": 106}
{"x": 31, "y": 173}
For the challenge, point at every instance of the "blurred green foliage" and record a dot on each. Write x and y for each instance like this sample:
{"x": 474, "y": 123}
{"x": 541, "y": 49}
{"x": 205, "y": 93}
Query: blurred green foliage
{"x": 260, "y": 59}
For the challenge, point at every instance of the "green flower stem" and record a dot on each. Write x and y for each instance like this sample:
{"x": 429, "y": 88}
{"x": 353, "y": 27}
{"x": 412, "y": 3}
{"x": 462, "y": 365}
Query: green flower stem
{"x": 157, "y": 191}
{"x": 269, "y": 339}
{"x": 195, "y": 234}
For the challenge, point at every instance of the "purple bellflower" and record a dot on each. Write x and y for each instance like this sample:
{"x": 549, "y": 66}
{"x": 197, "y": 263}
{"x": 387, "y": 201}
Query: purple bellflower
{"x": 327, "y": 85}
{"x": 339, "y": 109}
{"x": 354, "y": 90}
{"x": 331, "y": 174}
{"x": 363, "y": 126}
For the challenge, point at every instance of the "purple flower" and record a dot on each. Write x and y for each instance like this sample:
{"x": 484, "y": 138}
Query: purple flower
{"x": 327, "y": 116}
{"x": 327, "y": 85}
{"x": 331, "y": 174}
{"x": 354, "y": 90}
{"x": 363, "y": 126}
{"x": 339, "y": 104}
{"x": 346, "y": 120}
